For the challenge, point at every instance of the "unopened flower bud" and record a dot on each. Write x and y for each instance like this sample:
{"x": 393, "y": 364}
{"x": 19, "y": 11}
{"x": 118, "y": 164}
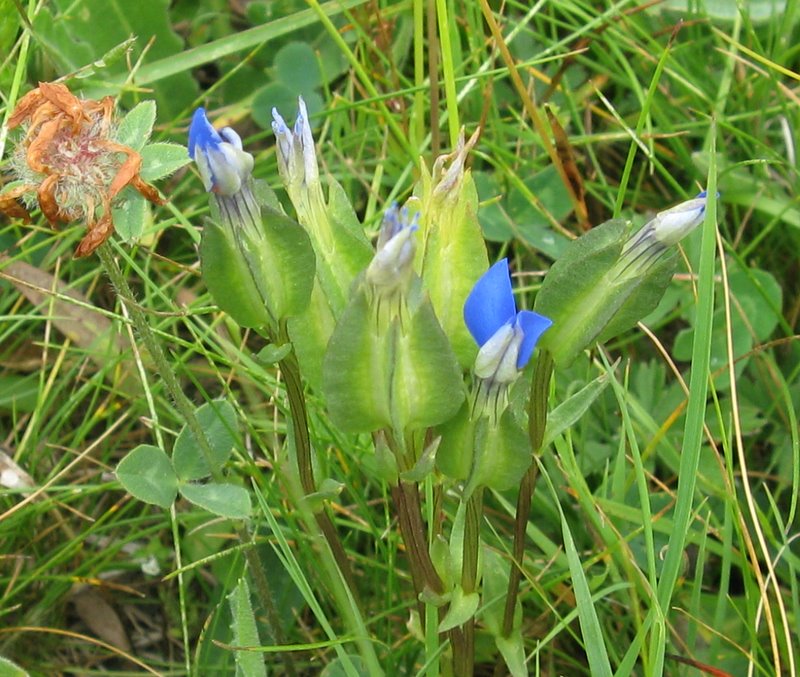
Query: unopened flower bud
{"x": 223, "y": 165}
{"x": 393, "y": 263}
{"x": 297, "y": 157}
{"x": 665, "y": 229}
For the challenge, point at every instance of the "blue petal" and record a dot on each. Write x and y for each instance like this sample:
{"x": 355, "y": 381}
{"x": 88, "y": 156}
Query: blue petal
{"x": 202, "y": 133}
{"x": 490, "y": 304}
{"x": 533, "y": 326}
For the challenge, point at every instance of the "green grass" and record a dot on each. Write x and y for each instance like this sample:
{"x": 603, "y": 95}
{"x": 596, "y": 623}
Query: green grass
{"x": 664, "y": 526}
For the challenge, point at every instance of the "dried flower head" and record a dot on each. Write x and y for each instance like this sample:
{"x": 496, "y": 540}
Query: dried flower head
{"x": 69, "y": 162}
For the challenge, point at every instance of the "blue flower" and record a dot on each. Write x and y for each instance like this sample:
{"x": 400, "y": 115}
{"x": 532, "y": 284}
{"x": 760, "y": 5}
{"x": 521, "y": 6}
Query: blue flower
{"x": 506, "y": 337}
{"x": 223, "y": 165}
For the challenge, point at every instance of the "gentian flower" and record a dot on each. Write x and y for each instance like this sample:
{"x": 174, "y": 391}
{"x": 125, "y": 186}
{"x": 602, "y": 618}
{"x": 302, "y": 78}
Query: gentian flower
{"x": 297, "y": 158}
{"x": 226, "y": 170}
{"x": 661, "y": 232}
{"x": 224, "y": 166}
{"x": 392, "y": 265}
{"x": 341, "y": 248}
{"x": 506, "y": 336}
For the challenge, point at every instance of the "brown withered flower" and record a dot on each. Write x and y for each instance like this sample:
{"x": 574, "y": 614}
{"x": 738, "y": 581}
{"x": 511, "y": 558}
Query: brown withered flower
{"x": 70, "y": 164}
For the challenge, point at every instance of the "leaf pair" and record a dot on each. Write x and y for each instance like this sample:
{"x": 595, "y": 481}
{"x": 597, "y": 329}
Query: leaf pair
{"x": 147, "y": 473}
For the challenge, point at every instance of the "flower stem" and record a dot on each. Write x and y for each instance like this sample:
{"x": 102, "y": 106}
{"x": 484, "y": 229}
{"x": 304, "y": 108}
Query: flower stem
{"x": 537, "y": 421}
{"x": 464, "y": 651}
{"x": 187, "y": 412}
{"x": 297, "y": 406}
{"x": 340, "y": 575}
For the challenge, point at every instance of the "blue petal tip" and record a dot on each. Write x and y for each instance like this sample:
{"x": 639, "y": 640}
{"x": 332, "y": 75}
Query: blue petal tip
{"x": 490, "y": 304}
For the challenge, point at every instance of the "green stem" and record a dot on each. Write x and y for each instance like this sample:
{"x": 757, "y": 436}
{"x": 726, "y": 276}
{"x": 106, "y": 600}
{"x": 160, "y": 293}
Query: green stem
{"x": 305, "y": 468}
{"x": 537, "y": 422}
{"x": 186, "y": 410}
{"x": 409, "y": 511}
{"x": 332, "y": 576}
{"x": 464, "y": 652}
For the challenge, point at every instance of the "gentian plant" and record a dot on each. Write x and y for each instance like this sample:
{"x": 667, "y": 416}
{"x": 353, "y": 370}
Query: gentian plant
{"x": 417, "y": 342}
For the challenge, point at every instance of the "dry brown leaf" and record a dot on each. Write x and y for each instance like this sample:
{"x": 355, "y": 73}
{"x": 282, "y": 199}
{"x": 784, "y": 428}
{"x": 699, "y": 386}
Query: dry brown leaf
{"x": 72, "y": 313}
{"x": 566, "y": 158}
{"x": 100, "y": 617}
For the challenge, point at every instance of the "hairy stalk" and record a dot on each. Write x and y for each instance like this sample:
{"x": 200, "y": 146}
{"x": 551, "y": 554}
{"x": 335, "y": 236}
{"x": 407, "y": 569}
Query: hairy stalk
{"x": 537, "y": 421}
{"x": 305, "y": 468}
{"x": 464, "y": 652}
{"x": 186, "y": 410}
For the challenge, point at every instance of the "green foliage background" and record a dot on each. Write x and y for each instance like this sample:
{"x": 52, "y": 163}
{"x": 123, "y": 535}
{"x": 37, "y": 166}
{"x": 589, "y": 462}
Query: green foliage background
{"x": 645, "y": 93}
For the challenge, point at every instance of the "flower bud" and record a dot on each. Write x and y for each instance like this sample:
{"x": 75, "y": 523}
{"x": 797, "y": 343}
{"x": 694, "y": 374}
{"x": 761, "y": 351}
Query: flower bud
{"x": 297, "y": 158}
{"x": 223, "y": 165}
{"x": 393, "y": 263}
{"x": 664, "y": 230}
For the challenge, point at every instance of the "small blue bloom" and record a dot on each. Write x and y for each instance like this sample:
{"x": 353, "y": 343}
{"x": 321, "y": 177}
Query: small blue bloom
{"x": 506, "y": 337}
{"x": 223, "y": 165}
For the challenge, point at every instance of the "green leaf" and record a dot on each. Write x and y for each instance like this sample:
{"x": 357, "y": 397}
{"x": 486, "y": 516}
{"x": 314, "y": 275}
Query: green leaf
{"x": 494, "y": 456}
{"x": 454, "y": 456}
{"x": 147, "y": 474}
{"x": 272, "y": 354}
{"x": 74, "y": 36}
{"x": 512, "y": 649}
{"x": 587, "y": 614}
{"x": 402, "y": 375}
{"x": 356, "y": 370}
{"x": 19, "y": 393}
{"x": 642, "y": 298}
{"x": 503, "y": 454}
{"x": 296, "y": 66}
{"x": 10, "y": 669}
{"x": 130, "y": 216}
{"x": 259, "y": 275}
{"x": 162, "y": 159}
{"x": 569, "y": 412}
{"x": 589, "y": 296}
{"x": 352, "y": 251}
{"x": 218, "y": 421}
{"x": 288, "y": 263}
{"x": 427, "y": 385}
{"x": 329, "y": 489}
{"x": 225, "y": 500}
{"x": 495, "y": 585}
{"x": 310, "y": 333}
{"x": 453, "y": 258}
{"x": 346, "y": 666}
{"x": 385, "y": 461}
{"x": 136, "y": 127}
{"x": 462, "y": 607}
{"x": 425, "y": 463}
{"x": 228, "y": 279}
{"x": 284, "y": 98}
{"x": 245, "y": 632}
